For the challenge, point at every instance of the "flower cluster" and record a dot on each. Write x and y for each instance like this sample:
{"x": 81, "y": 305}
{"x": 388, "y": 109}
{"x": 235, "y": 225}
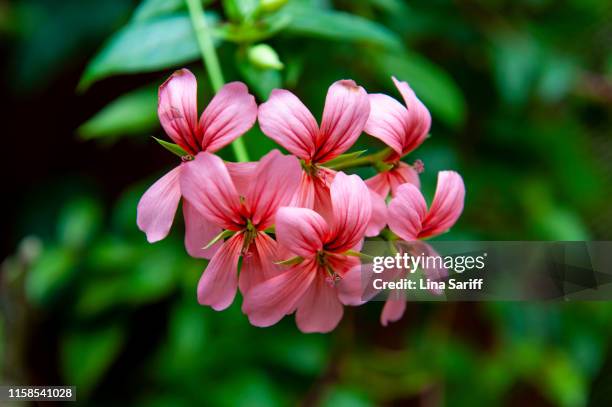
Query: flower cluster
{"x": 297, "y": 223}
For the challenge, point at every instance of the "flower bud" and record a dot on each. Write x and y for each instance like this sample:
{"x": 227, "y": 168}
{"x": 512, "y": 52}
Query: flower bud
{"x": 271, "y": 5}
{"x": 263, "y": 56}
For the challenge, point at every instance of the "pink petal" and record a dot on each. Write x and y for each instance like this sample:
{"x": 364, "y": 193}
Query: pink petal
{"x": 158, "y": 205}
{"x": 287, "y": 121}
{"x": 301, "y": 230}
{"x": 406, "y": 212}
{"x": 207, "y": 185}
{"x": 275, "y": 181}
{"x": 447, "y": 204}
{"x": 393, "y": 310}
{"x": 199, "y": 231}
{"x": 230, "y": 114}
{"x": 418, "y": 121}
{"x": 402, "y": 174}
{"x": 378, "y": 220}
{"x": 345, "y": 114}
{"x": 351, "y": 289}
{"x": 266, "y": 303}
{"x": 388, "y": 121}
{"x": 242, "y": 175}
{"x": 304, "y": 196}
{"x": 379, "y": 183}
{"x": 178, "y": 110}
{"x": 319, "y": 310}
{"x": 352, "y": 210}
{"x": 258, "y": 264}
{"x": 217, "y": 286}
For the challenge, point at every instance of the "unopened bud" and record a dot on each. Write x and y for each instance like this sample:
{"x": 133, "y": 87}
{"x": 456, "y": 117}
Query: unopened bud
{"x": 271, "y": 5}
{"x": 263, "y": 56}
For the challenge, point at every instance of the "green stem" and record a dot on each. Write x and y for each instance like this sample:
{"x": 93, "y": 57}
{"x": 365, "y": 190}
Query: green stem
{"x": 365, "y": 160}
{"x": 209, "y": 56}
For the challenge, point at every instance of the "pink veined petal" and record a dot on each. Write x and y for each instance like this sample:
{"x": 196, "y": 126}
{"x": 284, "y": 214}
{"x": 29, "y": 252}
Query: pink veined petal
{"x": 217, "y": 286}
{"x": 158, "y": 205}
{"x": 301, "y": 230}
{"x": 268, "y": 302}
{"x": 207, "y": 185}
{"x": 228, "y": 116}
{"x": 406, "y": 212}
{"x": 352, "y": 210}
{"x": 393, "y": 310}
{"x": 286, "y": 120}
{"x": 419, "y": 119}
{"x": 275, "y": 181}
{"x": 388, "y": 121}
{"x": 403, "y": 174}
{"x": 379, "y": 183}
{"x": 304, "y": 196}
{"x": 242, "y": 175}
{"x": 434, "y": 270}
{"x": 342, "y": 264}
{"x": 178, "y": 110}
{"x": 378, "y": 220}
{"x": 199, "y": 231}
{"x": 258, "y": 264}
{"x": 344, "y": 116}
{"x": 447, "y": 204}
{"x": 319, "y": 310}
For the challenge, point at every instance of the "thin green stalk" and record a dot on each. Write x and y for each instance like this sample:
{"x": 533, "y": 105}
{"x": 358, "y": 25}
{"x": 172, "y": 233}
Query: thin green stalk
{"x": 209, "y": 56}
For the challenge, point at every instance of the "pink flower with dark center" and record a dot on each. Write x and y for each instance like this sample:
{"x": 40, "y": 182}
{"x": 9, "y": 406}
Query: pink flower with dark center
{"x": 286, "y": 120}
{"x": 246, "y": 208}
{"x": 230, "y": 113}
{"x": 403, "y": 128}
{"x": 410, "y": 219}
{"x": 315, "y": 287}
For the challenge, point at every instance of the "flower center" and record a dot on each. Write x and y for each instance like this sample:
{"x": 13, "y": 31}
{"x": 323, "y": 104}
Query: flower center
{"x": 331, "y": 277}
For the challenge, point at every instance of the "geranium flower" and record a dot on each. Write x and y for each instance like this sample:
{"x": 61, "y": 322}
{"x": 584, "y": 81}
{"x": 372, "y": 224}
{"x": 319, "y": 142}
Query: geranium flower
{"x": 401, "y": 128}
{"x": 230, "y": 113}
{"x": 286, "y": 120}
{"x": 410, "y": 219}
{"x": 314, "y": 287}
{"x": 245, "y": 211}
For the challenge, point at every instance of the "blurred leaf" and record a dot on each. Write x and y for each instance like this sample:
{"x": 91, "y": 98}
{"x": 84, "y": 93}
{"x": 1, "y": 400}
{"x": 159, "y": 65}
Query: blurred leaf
{"x": 256, "y": 390}
{"x": 432, "y": 85}
{"x": 264, "y": 56}
{"x": 79, "y": 221}
{"x": 557, "y": 77}
{"x": 132, "y": 113}
{"x": 516, "y": 61}
{"x": 87, "y": 354}
{"x": 239, "y": 10}
{"x": 338, "y": 26}
{"x": 51, "y": 273}
{"x": 344, "y": 159}
{"x": 249, "y": 33}
{"x": 173, "y": 148}
{"x": 564, "y": 382}
{"x": 341, "y": 397}
{"x": 145, "y": 46}
{"x": 148, "y": 9}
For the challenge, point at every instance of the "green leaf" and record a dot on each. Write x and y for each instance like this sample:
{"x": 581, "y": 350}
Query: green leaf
{"x": 291, "y": 262}
{"x": 344, "y": 159}
{"x": 220, "y": 236}
{"x": 87, "y": 354}
{"x": 154, "y": 8}
{"x": 339, "y": 26}
{"x": 50, "y": 274}
{"x": 433, "y": 86}
{"x": 132, "y": 113}
{"x": 78, "y": 222}
{"x": 173, "y": 148}
{"x": 262, "y": 81}
{"x": 145, "y": 46}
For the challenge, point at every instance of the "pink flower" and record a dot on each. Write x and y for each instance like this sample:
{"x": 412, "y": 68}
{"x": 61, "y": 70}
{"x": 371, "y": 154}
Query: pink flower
{"x": 401, "y": 128}
{"x": 410, "y": 219}
{"x": 230, "y": 113}
{"x": 286, "y": 120}
{"x": 314, "y": 287}
{"x": 246, "y": 208}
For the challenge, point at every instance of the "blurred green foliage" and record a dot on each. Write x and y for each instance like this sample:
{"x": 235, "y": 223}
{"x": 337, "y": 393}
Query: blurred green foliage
{"x": 520, "y": 95}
